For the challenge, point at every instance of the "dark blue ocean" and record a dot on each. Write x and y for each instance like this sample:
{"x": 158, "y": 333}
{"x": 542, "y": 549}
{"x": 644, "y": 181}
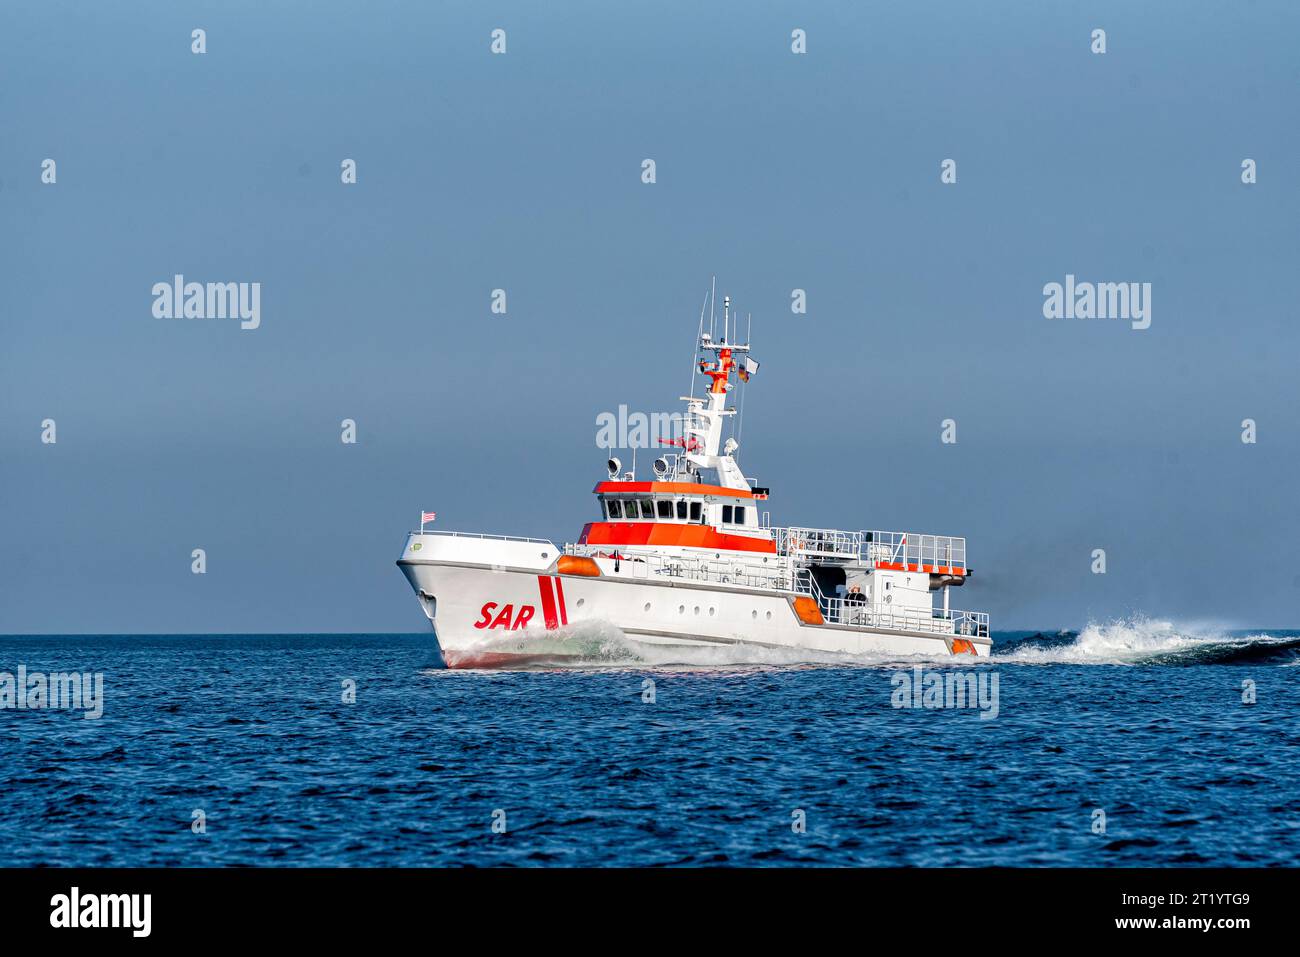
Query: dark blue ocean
{"x": 1141, "y": 722}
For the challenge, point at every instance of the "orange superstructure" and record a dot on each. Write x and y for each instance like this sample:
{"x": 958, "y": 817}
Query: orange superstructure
{"x": 670, "y": 534}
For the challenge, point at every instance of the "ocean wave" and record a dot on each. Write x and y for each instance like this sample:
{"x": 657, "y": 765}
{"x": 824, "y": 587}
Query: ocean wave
{"x": 1146, "y": 641}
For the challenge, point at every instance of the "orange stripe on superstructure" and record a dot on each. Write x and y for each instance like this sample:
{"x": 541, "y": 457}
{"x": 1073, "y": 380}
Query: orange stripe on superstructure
{"x": 931, "y": 569}
{"x": 669, "y": 488}
{"x": 666, "y": 533}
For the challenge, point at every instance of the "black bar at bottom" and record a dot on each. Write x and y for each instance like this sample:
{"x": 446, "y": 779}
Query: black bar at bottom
{"x": 731, "y": 906}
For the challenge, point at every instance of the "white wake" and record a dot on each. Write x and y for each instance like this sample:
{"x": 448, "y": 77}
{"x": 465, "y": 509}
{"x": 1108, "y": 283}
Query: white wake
{"x": 1139, "y": 640}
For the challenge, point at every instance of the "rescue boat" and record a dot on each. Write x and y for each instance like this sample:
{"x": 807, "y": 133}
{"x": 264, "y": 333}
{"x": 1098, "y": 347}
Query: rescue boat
{"x": 690, "y": 558}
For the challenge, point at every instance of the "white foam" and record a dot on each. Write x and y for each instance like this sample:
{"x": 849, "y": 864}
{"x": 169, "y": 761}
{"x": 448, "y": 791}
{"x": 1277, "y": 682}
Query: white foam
{"x": 1134, "y": 640}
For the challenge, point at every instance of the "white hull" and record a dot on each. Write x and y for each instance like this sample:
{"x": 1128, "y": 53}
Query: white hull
{"x": 512, "y": 610}
{"x": 691, "y": 559}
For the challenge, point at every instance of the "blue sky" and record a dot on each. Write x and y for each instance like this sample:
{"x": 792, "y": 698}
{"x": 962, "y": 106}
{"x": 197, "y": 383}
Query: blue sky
{"x": 522, "y": 172}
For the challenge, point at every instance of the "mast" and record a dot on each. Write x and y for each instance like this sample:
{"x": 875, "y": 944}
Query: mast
{"x": 702, "y": 443}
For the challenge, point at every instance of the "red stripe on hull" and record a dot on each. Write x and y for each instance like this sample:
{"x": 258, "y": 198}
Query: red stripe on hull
{"x": 559, "y": 601}
{"x": 548, "y": 602}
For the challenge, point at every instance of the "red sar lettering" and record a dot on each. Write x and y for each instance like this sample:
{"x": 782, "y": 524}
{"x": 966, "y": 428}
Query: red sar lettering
{"x": 503, "y": 618}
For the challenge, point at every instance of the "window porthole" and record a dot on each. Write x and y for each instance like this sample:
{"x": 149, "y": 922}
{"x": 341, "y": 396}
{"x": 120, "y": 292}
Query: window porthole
{"x": 581, "y": 602}
{"x": 769, "y": 616}
{"x": 712, "y": 610}
{"x": 647, "y": 606}
{"x": 697, "y": 609}
{"x": 681, "y": 609}
{"x": 754, "y": 613}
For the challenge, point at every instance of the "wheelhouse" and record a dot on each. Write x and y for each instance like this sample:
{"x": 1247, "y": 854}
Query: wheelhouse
{"x": 680, "y": 509}
{"x": 680, "y": 503}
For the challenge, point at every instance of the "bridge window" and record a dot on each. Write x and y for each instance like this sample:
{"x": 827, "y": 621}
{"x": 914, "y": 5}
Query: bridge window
{"x": 695, "y": 511}
{"x": 647, "y": 509}
{"x": 665, "y": 508}
{"x": 614, "y": 507}
{"x": 681, "y": 509}
{"x": 726, "y": 514}
{"x": 739, "y": 515}
{"x": 631, "y": 509}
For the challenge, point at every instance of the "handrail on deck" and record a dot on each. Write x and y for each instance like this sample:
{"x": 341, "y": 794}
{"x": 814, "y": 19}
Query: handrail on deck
{"x": 861, "y": 615}
{"x": 497, "y": 538}
{"x": 873, "y": 545}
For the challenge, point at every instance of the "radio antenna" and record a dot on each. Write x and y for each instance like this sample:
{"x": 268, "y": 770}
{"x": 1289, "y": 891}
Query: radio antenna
{"x": 696, "y": 351}
{"x": 713, "y": 307}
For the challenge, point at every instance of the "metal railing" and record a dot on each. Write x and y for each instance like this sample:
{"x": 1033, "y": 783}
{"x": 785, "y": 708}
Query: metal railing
{"x": 496, "y": 538}
{"x": 913, "y": 548}
{"x": 974, "y": 624}
{"x": 822, "y": 542}
{"x": 859, "y": 614}
{"x": 895, "y": 548}
{"x": 635, "y": 564}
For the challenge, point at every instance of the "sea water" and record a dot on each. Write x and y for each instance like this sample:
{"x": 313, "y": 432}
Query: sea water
{"x": 1131, "y": 743}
